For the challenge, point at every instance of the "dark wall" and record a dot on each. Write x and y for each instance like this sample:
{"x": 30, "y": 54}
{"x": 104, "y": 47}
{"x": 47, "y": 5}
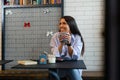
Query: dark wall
{"x": 112, "y": 39}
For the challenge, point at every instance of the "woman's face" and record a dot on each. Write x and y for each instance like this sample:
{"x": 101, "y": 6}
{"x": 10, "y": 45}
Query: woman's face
{"x": 63, "y": 26}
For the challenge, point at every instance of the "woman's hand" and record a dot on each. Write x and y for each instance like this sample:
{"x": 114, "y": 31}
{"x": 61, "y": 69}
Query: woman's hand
{"x": 68, "y": 38}
{"x": 65, "y": 37}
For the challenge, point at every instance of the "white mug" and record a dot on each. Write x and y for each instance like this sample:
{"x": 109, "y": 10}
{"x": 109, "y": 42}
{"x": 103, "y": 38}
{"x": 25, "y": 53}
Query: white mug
{"x": 51, "y": 58}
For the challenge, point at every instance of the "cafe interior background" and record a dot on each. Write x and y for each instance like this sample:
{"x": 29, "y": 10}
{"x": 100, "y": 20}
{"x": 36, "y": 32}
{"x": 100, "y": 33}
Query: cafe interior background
{"x": 89, "y": 15}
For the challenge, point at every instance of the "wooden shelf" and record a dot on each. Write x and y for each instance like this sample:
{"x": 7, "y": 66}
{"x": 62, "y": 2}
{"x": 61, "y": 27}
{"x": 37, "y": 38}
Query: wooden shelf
{"x": 17, "y": 6}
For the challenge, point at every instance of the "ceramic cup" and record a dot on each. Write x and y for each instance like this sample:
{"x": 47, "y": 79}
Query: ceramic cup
{"x": 51, "y": 58}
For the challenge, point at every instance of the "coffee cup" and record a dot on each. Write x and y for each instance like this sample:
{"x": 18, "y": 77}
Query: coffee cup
{"x": 63, "y": 35}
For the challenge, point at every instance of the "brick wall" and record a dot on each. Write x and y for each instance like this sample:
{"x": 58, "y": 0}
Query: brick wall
{"x": 89, "y": 15}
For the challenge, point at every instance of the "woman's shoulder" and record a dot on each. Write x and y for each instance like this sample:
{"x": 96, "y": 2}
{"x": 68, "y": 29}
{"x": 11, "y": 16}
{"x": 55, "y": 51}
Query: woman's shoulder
{"x": 76, "y": 36}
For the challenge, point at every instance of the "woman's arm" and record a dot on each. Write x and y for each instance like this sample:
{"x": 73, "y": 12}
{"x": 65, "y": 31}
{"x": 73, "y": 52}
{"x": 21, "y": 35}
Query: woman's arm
{"x": 76, "y": 47}
{"x": 56, "y": 46}
{"x": 70, "y": 50}
{"x": 60, "y": 48}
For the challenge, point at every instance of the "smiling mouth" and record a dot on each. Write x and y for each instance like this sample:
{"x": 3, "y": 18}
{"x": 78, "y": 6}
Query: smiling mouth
{"x": 62, "y": 30}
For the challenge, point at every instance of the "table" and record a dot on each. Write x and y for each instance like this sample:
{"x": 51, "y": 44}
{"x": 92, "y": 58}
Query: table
{"x": 74, "y": 64}
{"x": 5, "y": 61}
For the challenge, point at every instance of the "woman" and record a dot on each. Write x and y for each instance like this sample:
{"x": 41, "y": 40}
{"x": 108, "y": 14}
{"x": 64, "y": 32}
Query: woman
{"x": 70, "y": 49}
